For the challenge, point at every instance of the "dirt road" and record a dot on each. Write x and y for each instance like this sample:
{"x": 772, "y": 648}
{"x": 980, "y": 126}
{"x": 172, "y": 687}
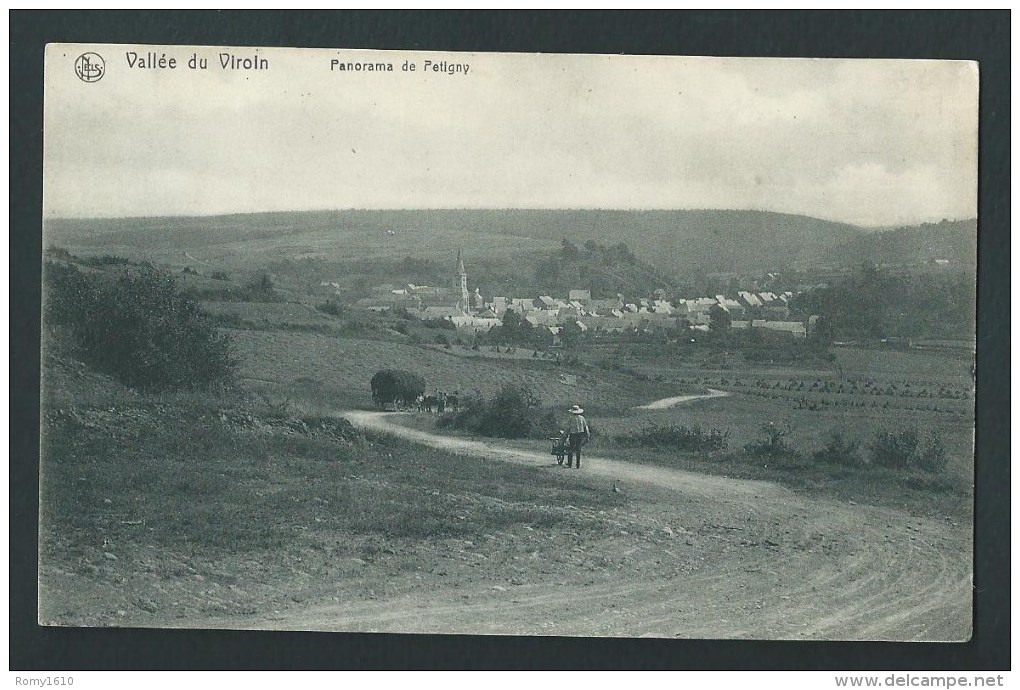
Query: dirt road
{"x": 768, "y": 564}
{"x": 665, "y": 403}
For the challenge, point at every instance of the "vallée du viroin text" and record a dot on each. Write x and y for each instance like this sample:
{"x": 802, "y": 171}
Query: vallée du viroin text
{"x": 253, "y": 61}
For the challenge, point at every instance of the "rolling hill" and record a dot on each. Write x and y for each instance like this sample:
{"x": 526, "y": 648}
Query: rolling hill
{"x": 680, "y": 241}
{"x": 954, "y": 242}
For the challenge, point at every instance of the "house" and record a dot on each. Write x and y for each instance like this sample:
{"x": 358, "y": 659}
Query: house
{"x": 474, "y": 323}
{"x": 794, "y": 328}
{"x": 735, "y": 308}
{"x": 522, "y": 305}
{"x": 776, "y": 311}
{"x": 605, "y": 305}
{"x": 749, "y": 299}
{"x": 541, "y": 318}
{"x": 579, "y": 295}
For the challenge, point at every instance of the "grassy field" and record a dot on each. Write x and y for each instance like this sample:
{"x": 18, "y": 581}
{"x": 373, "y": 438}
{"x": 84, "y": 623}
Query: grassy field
{"x": 336, "y": 371}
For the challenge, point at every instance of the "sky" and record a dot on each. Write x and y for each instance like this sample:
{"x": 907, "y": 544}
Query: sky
{"x": 869, "y": 142}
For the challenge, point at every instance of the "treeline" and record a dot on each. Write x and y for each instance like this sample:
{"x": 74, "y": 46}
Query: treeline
{"x": 605, "y": 270}
{"x": 875, "y": 303}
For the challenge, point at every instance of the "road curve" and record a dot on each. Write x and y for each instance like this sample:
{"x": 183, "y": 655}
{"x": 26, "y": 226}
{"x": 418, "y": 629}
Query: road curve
{"x": 783, "y": 566}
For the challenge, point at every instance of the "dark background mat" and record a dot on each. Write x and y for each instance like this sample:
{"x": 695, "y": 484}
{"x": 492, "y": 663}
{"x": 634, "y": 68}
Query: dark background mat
{"x": 981, "y": 36}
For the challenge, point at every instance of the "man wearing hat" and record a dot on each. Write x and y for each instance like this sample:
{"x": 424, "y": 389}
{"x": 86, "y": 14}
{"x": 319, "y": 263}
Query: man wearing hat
{"x": 579, "y": 434}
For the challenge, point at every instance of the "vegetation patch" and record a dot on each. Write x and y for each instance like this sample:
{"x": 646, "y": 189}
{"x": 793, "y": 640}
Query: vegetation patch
{"x": 137, "y": 327}
{"x": 676, "y": 438}
{"x": 513, "y": 412}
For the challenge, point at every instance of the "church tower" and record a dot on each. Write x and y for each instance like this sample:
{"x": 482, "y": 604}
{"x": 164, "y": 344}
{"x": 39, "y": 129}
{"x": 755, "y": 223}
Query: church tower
{"x": 462, "y": 276}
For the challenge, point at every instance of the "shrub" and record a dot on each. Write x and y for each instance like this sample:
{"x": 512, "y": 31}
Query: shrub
{"x": 838, "y": 450}
{"x": 138, "y": 328}
{"x": 772, "y": 442}
{"x": 512, "y": 413}
{"x": 389, "y": 385}
{"x": 261, "y": 288}
{"x": 680, "y": 438}
{"x": 904, "y": 448}
{"x": 219, "y": 275}
{"x": 895, "y": 448}
{"x": 444, "y": 324}
{"x": 933, "y": 457}
{"x": 332, "y": 307}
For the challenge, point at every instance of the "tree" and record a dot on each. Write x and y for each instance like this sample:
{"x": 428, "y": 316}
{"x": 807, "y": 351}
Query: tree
{"x": 515, "y": 330}
{"x": 570, "y": 334}
{"x": 719, "y": 319}
{"x": 822, "y": 334}
{"x": 569, "y": 250}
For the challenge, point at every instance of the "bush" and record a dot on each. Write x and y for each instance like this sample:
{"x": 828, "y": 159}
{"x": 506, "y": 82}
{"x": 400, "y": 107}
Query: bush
{"x": 389, "y": 385}
{"x": 772, "y": 442}
{"x": 933, "y": 457}
{"x": 512, "y": 413}
{"x": 904, "y": 448}
{"x": 895, "y": 448}
{"x": 680, "y": 438}
{"x": 838, "y": 450}
{"x": 333, "y": 308}
{"x": 138, "y": 328}
{"x": 219, "y": 275}
{"x": 261, "y": 288}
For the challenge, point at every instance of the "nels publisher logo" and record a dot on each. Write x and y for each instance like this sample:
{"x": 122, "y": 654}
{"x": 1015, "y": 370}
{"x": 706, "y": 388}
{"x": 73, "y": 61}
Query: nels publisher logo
{"x": 89, "y": 67}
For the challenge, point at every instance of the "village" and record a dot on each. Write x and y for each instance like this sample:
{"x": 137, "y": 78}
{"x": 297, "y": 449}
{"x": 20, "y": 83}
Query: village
{"x": 471, "y": 312}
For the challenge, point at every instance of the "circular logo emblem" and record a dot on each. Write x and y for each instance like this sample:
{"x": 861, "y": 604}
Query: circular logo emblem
{"x": 89, "y": 67}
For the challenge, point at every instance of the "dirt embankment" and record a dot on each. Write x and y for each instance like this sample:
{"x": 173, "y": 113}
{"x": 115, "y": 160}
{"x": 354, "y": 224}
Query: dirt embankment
{"x": 776, "y": 566}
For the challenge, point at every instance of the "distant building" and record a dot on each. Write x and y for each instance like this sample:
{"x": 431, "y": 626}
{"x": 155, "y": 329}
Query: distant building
{"x": 749, "y": 299}
{"x": 794, "y": 328}
{"x": 474, "y": 322}
{"x": 579, "y": 296}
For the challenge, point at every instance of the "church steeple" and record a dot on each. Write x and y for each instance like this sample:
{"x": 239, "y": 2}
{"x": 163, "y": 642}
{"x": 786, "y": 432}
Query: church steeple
{"x": 462, "y": 275}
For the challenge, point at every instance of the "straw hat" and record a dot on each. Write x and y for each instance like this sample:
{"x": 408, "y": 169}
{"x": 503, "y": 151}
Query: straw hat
{"x": 576, "y": 409}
